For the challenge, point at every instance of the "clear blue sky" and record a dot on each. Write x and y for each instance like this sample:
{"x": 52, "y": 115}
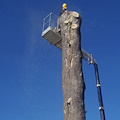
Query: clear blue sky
{"x": 31, "y": 68}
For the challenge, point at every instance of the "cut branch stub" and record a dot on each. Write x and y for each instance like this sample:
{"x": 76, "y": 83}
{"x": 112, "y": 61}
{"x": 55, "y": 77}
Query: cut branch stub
{"x": 66, "y": 21}
{"x": 75, "y": 14}
{"x": 74, "y": 26}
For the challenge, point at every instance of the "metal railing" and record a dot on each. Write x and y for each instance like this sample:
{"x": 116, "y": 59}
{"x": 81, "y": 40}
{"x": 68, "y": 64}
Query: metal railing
{"x": 50, "y": 21}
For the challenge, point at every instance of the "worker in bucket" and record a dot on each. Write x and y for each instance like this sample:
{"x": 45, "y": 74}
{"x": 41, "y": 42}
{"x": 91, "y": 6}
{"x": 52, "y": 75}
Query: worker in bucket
{"x": 64, "y": 7}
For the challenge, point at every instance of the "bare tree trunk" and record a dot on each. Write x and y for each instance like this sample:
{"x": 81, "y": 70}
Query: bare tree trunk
{"x": 72, "y": 75}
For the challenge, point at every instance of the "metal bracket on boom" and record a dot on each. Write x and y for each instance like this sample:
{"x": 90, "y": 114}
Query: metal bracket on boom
{"x": 88, "y": 57}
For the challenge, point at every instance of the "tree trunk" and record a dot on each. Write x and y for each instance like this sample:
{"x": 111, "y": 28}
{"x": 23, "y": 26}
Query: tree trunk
{"x": 72, "y": 76}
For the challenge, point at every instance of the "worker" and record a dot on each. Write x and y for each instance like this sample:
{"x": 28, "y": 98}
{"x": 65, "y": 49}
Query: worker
{"x": 64, "y": 7}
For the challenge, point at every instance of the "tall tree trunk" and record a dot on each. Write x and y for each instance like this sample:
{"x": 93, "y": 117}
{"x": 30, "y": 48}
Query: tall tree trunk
{"x": 72, "y": 75}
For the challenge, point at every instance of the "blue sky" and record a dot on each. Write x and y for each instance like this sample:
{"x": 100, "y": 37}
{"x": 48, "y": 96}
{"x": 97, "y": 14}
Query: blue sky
{"x": 31, "y": 68}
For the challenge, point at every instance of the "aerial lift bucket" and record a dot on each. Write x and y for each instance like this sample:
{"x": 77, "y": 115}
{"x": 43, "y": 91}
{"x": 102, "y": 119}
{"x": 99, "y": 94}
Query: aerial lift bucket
{"x": 50, "y": 30}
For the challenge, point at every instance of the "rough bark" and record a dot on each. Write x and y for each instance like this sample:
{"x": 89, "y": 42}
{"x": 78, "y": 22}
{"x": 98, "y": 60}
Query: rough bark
{"x": 72, "y": 75}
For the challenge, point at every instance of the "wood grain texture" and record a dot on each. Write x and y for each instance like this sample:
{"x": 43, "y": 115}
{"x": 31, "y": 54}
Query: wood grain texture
{"x": 72, "y": 76}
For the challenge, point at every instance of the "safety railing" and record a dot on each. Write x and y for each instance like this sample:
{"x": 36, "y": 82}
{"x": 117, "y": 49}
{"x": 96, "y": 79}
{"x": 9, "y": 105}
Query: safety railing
{"x": 50, "y": 21}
